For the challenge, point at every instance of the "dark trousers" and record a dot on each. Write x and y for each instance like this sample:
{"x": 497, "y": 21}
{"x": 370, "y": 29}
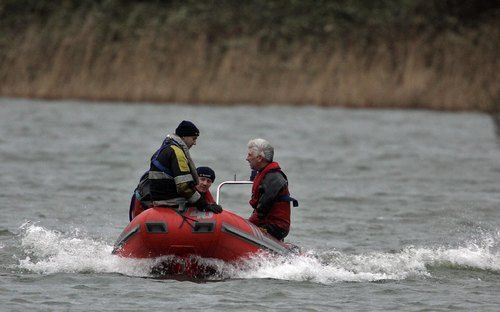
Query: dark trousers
{"x": 275, "y": 231}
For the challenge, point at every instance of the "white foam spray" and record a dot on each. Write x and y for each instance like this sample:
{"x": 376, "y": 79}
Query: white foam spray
{"x": 51, "y": 252}
{"x": 47, "y": 252}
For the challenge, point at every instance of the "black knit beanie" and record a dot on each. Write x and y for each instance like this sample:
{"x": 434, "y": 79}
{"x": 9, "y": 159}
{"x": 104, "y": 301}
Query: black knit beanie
{"x": 187, "y": 128}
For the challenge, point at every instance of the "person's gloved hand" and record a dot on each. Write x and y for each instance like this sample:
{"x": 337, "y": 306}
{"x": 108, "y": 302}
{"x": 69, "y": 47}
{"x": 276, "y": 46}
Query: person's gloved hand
{"x": 202, "y": 205}
{"x": 214, "y": 208}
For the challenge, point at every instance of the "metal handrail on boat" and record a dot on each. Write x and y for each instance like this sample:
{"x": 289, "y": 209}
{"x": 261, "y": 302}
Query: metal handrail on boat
{"x": 229, "y": 182}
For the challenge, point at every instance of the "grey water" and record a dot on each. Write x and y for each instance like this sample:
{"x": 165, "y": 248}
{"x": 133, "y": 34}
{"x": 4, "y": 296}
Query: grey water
{"x": 399, "y": 210}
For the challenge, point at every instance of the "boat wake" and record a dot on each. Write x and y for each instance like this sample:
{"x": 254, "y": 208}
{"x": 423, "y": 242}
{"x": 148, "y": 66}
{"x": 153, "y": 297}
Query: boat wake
{"x": 45, "y": 251}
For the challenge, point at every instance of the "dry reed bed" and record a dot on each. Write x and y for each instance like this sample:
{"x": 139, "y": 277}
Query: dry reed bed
{"x": 75, "y": 61}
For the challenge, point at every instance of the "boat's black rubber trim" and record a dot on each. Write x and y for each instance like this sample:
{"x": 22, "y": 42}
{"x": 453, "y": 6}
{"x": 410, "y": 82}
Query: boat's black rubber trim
{"x": 264, "y": 243}
{"x": 124, "y": 237}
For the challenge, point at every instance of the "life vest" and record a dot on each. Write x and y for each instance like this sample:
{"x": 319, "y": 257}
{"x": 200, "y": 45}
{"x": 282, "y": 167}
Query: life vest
{"x": 154, "y": 159}
{"x": 279, "y": 214}
{"x": 208, "y": 197}
{"x": 162, "y": 177}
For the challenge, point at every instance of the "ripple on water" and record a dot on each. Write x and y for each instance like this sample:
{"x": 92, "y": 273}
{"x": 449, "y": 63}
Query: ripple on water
{"x": 383, "y": 192}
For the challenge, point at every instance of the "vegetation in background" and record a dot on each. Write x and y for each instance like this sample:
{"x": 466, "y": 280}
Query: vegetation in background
{"x": 410, "y": 53}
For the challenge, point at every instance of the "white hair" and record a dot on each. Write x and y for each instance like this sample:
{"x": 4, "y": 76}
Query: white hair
{"x": 261, "y": 147}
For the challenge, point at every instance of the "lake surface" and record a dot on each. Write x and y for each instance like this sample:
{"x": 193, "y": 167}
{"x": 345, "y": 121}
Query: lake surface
{"x": 399, "y": 210}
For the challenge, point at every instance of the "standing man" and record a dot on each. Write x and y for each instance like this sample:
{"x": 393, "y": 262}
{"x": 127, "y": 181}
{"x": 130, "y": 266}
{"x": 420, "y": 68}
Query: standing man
{"x": 171, "y": 179}
{"x": 270, "y": 195}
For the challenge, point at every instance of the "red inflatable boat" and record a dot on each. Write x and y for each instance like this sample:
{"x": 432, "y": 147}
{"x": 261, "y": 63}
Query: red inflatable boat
{"x": 161, "y": 231}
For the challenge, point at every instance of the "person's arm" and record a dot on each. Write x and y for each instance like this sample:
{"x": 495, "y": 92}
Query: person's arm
{"x": 271, "y": 186}
{"x": 185, "y": 184}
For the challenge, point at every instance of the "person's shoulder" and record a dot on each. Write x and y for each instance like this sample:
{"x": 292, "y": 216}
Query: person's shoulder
{"x": 177, "y": 150}
{"x": 274, "y": 173}
{"x": 275, "y": 176}
{"x": 167, "y": 151}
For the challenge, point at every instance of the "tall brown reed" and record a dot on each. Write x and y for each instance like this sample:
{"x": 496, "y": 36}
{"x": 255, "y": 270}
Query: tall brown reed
{"x": 77, "y": 59}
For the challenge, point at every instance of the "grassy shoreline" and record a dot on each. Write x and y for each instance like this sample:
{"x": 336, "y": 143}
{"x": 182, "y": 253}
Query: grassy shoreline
{"x": 194, "y": 52}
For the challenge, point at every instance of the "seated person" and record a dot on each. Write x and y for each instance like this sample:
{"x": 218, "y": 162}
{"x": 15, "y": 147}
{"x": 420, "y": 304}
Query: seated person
{"x": 172, "y": 178}
{"x": 270, "y": 196}
{"x": 206, "y": 176}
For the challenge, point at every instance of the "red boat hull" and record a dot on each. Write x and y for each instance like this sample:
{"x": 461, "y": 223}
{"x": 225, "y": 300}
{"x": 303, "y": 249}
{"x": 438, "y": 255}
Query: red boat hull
{"x": 161, "y": 231}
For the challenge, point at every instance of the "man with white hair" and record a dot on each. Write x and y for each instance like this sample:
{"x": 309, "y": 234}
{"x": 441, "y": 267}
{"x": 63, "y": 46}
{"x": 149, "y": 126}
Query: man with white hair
{"x": 270, "y": 195}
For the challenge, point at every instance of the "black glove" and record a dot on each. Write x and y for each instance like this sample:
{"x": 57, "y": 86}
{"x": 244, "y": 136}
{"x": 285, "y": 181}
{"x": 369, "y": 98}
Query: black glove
{"x": 202, "y": 205}
{"x": 214, "y": 208}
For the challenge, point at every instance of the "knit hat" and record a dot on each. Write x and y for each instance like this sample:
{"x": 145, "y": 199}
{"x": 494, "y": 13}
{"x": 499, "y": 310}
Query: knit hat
{"x": 206, "y": 172}
{"x": 187, "y": 128}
